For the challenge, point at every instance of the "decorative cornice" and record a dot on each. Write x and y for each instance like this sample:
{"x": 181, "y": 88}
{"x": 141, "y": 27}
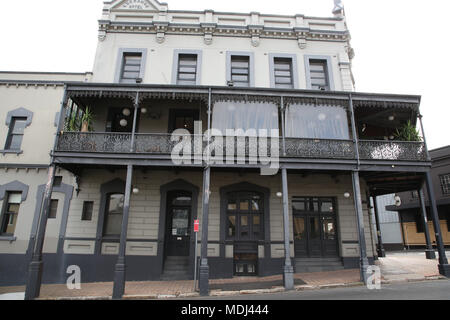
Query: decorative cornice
{"x": 210, "y": 30}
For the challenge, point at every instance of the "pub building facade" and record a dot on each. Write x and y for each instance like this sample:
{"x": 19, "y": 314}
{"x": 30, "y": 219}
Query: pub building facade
{"x": 89, "y": 180}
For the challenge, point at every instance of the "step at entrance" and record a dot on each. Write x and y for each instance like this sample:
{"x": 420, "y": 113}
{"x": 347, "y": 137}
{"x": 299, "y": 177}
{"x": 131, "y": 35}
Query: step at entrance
{"x": 303, "y": 265}
{"x": 176, "y": 268}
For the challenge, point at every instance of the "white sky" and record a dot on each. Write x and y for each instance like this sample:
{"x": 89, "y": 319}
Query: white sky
{"x": 401, "y": 46}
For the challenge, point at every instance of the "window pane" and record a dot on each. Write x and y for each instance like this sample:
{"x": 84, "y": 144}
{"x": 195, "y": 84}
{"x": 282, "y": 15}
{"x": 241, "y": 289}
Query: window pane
{"x": 180, "y": 222}
{"x": 231, "y": 226}
{"x": 114, "y": 214}
{"x": 187, "y": 69}
{"x": 232, "y": 205}
{"x": 299, "y": 205}
{"x": 299, "y": 228}
{"x": 243, "y": 205}
{"x": 317, "y": 122}
{"x": 319, "y": 76}
{"x": 326, "y": 207}
{"x": 18, "y": 126}
{"x": 14, "y": 142}
{"x": 329, "y": 230}
{"x": 88, "y": 207}
{"x": 9, "y": 217}
{"x": 53, "y": 209}
{"x": 15, "y": 197}
{"x": 245, "y": 116}
{"x": 131, "y": 66}
{"x": 445, "y": 184}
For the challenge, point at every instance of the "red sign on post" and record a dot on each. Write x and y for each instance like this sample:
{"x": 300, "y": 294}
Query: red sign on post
{"x": 196, "y": 225}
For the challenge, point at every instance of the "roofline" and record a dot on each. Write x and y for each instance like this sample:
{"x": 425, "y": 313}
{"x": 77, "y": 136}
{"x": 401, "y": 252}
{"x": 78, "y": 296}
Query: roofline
{"x": 45, "y": 72}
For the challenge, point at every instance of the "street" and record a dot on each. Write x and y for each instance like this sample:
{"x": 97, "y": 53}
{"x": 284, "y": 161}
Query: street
{"x": 424, "y": 290}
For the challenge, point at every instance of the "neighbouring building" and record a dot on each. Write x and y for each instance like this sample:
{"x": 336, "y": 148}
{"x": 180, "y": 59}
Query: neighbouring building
{"x": 90, "y": 156}
{"x": 410, "y": 210}
{"x": 390, "y": 226}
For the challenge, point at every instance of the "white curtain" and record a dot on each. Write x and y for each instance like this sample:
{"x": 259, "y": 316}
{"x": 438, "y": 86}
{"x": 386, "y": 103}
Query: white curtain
{"x": 316, "y": 122}
{"x": 245, "y": 116}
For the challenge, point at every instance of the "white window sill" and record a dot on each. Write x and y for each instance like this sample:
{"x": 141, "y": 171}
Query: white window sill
{"x": 8, "y": 238}
{"x": 11, "y": 152}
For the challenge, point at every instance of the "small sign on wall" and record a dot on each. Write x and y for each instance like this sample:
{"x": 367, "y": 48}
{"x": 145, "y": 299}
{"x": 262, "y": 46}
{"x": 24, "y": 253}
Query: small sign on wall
{"x": 196, "y": 226}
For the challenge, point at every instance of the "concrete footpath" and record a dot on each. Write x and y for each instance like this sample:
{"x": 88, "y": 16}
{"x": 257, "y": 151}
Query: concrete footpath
{"x": 396, "y": 267}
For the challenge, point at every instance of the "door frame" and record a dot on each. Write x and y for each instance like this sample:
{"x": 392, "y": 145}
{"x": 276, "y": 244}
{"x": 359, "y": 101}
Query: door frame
{"x": 168, "y": 216}
{"x": 306, "y": 214}
{"x": 245, "y": 187}
{"x": 176, "y": 185}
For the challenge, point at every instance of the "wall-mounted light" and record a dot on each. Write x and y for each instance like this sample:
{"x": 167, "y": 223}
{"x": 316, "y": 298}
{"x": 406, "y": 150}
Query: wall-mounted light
{"x": 398, "y": 201}
{"x": 347, "y": 195}
{"x": 126, "y": 112}
{"x": 144, "y": 110}
{"x": 391, "y": 118}
{"x": 136, "y": 190}
{"x": 123, "y": 123}
{"x": 279, "y": 194}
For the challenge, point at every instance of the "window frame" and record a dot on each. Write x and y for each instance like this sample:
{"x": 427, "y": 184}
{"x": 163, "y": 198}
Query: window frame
{"x": 442, "y": 178}
{"x": 84, "y": 211}
{"x": 251, "y": 68}
{"x": 5, "y": 212}
{"x": 121, "y": 64}
{"x": 294, "y": 70}
{"x": 11, "y": 134}
{"x": 176, "y": 61}
{"x": 11, "y": 117}
{"x": 106, "y": 215}
{"x": 329, "y": 69}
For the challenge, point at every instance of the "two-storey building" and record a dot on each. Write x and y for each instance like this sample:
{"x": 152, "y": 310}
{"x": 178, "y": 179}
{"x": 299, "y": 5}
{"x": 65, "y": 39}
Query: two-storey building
{"x": 123, "y": 171}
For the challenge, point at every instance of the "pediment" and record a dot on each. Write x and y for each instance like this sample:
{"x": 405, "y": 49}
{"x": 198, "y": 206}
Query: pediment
{"x": 147, "y": 5}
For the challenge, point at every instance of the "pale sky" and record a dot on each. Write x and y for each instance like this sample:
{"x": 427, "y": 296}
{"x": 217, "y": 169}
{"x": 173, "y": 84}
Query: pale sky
{"x": 402, "y": 46}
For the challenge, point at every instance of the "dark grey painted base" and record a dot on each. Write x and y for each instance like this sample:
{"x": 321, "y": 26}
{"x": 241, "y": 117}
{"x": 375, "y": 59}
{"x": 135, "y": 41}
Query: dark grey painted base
{"x": 393, "y": 246}
{"x": 94, "y": 268}
{"x": 444, "y": 269}
{"x": 100, "y": 268}
{"x": 353, "y": 263}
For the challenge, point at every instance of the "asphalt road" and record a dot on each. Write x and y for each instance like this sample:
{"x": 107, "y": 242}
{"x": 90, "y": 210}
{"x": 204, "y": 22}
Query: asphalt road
{"x": 424, "y": 290}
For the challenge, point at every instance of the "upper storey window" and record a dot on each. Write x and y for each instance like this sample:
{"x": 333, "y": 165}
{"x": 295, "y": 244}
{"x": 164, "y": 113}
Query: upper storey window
{"x": 240, "y": 71}
{"x": 319, "y": 74}
{"x": 187, "y": 69}
{"x": 283, "y": 73}
{"x": 15, "y": 134}
{"x": 131, "y": 67}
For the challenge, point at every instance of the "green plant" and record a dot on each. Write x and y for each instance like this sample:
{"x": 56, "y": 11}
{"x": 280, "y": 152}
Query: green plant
{"x": 407, "y": 132}
{"x": 73, "y": 123}
{"x": 87, "y": 119}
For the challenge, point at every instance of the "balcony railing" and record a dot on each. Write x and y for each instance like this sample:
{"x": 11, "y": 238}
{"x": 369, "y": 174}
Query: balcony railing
{"x": 392, "y": 150}
{"x": 163, "y": 144}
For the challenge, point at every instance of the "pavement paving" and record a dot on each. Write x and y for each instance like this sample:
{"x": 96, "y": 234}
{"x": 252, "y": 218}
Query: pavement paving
{"x": 395, "y": 268}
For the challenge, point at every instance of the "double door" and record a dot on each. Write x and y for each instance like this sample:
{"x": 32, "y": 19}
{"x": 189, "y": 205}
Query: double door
{"x": 315, "y": 232}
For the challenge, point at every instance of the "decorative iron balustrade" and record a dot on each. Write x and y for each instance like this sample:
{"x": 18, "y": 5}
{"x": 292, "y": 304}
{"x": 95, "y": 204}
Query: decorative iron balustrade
{"x": 392, "y": 150}
{"x": 320, "y": 149}
{"x": 238, "y": 147}
{"x": 94, "y": 142}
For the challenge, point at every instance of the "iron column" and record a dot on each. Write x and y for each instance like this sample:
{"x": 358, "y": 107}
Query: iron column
{"x": 364, "y": 262}
{"x": 444, "y": 267}
{"x": 380, "y": 247}
{"x": 120, "y": 269}
{"x": 429, "y": 252}
{"x": 35, "y": 268}
{"x": 288, "y": 270}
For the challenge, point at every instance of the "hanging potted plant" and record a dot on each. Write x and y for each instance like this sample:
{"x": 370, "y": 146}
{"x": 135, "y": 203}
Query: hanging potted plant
{"x": 86, "y": 120}
{"x": 407, "y": 132}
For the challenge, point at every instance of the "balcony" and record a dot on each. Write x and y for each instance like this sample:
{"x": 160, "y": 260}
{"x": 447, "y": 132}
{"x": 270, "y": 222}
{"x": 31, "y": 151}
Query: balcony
{"x": 375, "y": 119}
